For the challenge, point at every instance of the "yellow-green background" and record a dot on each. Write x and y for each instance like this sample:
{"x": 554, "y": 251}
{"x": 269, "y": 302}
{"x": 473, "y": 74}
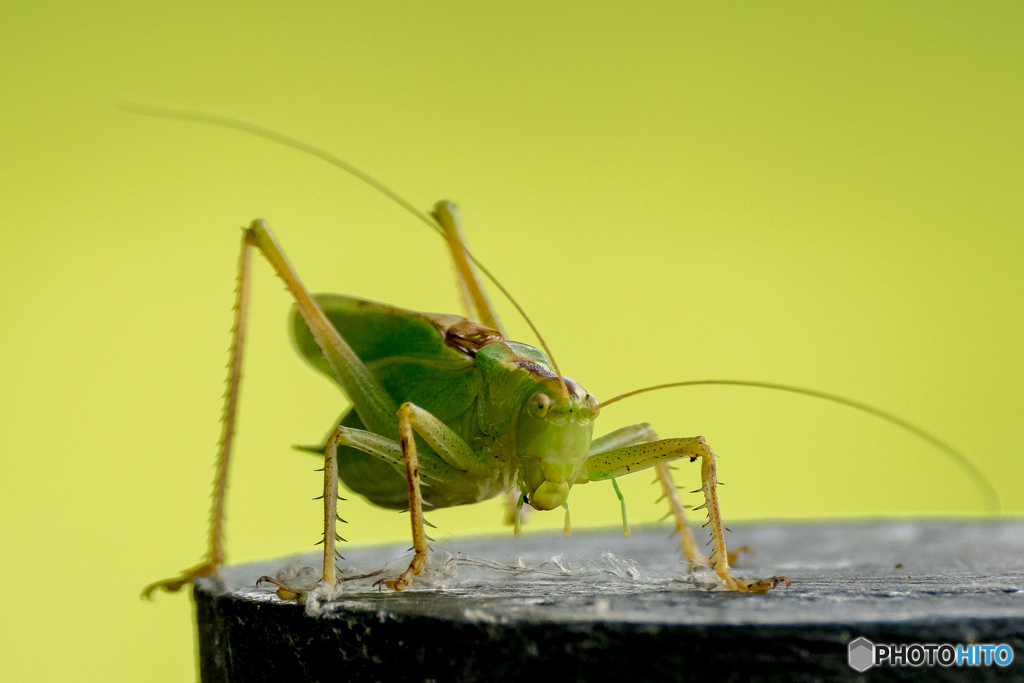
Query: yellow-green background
{"x": 822, "y": 194}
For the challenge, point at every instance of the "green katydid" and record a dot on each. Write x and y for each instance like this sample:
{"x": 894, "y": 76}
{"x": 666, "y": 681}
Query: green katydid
{"x": 446, "y": 410}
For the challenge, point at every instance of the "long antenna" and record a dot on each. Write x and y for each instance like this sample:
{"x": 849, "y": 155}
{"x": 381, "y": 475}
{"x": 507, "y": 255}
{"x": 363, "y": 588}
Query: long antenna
{"x": 267, "y": 133}
{"x": 988, "y": 491}
{"x": 274, "y": 136}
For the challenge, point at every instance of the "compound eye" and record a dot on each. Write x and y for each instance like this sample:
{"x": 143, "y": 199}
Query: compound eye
{"x": 593, "y": 406}
{"x": 539, "y": 404}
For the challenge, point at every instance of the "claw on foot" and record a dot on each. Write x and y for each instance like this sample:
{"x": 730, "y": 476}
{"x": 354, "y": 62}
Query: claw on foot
{"x": 188, "y": 576}
{"x": 398, "y": 585}
{"x": 403, "y": 581}
{"x": 283, "y": 591}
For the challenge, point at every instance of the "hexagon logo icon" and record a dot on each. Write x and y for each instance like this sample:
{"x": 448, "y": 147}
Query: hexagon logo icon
{"x": 862, "y": 654}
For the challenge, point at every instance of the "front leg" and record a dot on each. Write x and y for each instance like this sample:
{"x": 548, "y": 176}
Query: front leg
{"x": 412, "y": 473}
{"x": 452, "y": 454}
{"x": 644, "y": 433}
{"x": 620, "y": 461}
{"x": 451, "y": 448}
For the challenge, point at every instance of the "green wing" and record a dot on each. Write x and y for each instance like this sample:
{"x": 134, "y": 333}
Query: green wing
{"x": 405, "y": 351}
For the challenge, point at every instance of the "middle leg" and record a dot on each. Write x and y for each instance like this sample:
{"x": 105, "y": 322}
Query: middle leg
{"x": 619, "y": 461}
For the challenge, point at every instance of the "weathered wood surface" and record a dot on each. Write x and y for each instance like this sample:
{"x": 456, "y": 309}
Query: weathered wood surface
{"x": 598, "y": 606}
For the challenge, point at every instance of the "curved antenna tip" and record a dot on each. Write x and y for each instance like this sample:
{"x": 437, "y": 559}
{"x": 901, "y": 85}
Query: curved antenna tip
{"x": 988, "y": 491}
